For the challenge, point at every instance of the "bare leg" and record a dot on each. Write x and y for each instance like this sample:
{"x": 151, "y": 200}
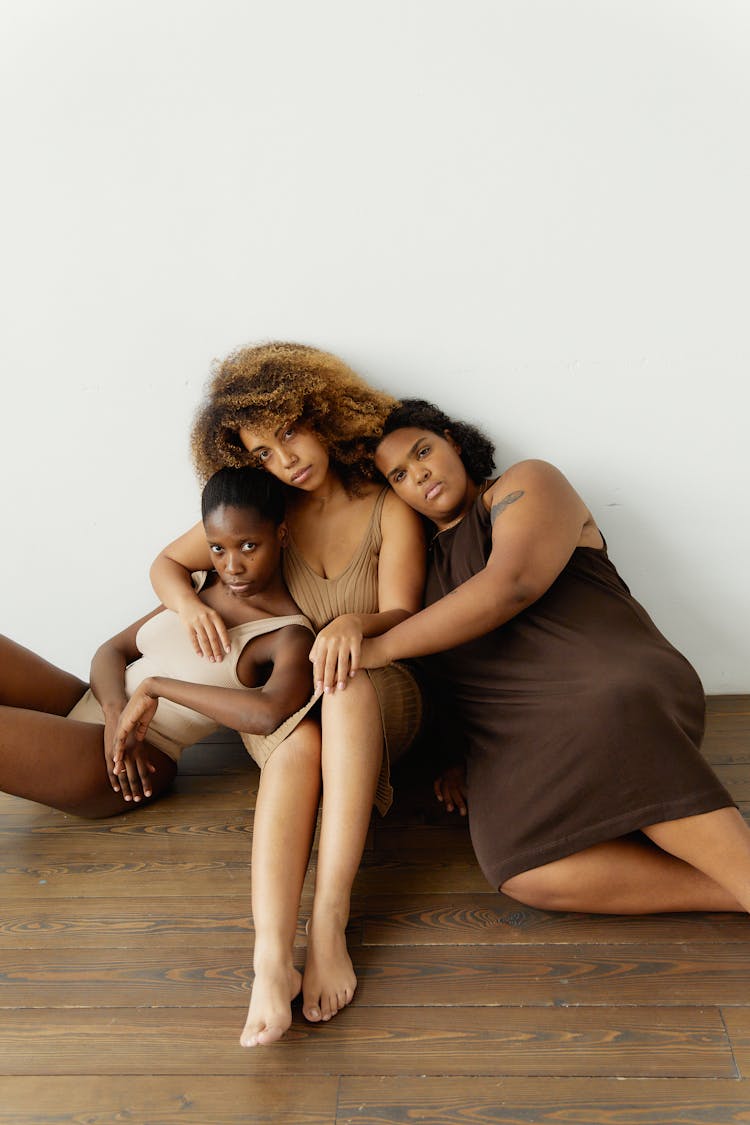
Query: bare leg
{"x": 283, "y": 830}
{"x": 29, "y": 681}
{"x": 352, "y": 755}
{"x": 620, "y": 877}
{"x": 44, "y": 756}
{"x": 716, "y": 843}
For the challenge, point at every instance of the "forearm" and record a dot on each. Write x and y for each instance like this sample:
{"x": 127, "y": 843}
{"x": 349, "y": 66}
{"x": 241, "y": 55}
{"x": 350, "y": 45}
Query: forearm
{"x": 474, "y": 609}
{"x": 107, "y": 678}
{"x": 374, "y": 624}
{"x": 244, "y": 709}
{"x": 173, "y": 584}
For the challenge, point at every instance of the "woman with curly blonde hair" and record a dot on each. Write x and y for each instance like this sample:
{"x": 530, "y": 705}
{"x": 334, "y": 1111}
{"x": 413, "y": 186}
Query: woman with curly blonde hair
{"x": 354, "y": 564}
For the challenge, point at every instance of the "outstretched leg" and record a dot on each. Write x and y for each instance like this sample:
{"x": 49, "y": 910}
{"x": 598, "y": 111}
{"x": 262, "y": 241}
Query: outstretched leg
{"x": 351, "y": 758}
{"x": 284, "y": 825}
{"x": 48, "y": 758}
{"x": 624, "y": 876}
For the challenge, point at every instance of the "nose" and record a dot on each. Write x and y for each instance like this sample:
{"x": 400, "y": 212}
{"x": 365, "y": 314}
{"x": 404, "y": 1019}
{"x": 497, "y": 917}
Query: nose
{"x": 421, "y": 473}
{"x": 288, "y": 457}
{"x": 233, "y": 562}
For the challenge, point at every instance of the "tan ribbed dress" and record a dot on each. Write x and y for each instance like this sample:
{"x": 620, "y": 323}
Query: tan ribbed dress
{"x": 355, "y": 590}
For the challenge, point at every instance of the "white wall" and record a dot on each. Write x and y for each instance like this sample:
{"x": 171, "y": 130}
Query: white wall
{"x": 532, "y": 211}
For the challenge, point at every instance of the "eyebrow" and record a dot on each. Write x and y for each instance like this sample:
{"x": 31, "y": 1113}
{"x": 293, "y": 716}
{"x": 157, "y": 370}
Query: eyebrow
{"x": 411, "y": 453}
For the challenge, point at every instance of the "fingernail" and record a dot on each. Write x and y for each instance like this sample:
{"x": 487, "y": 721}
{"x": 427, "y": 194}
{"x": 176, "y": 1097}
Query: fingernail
{"x": 340, "y": 685}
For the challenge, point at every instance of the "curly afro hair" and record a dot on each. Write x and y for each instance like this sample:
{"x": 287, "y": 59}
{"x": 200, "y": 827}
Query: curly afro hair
{"x": 477, "y": 451}
{"x": 270, "y": 385}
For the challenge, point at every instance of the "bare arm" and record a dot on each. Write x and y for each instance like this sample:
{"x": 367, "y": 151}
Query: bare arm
{"x": 256, "y": 710}
{"x": 170, "y": 577}
{"x": 401, "y": 573}
{"x": 538, "y": 520}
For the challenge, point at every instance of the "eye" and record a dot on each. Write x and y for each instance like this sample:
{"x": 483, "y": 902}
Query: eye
{"x": 249, "y": 546}
{"x": 261, "y": 456}
{"x": 288, "y": 433}
{"x": 423, "y": 452}
{"x": 398, "y": 476}
{"x": 215, "y": 549}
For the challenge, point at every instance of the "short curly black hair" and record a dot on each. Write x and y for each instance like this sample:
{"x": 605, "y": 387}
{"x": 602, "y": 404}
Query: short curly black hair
{"x": 477, "y": 452}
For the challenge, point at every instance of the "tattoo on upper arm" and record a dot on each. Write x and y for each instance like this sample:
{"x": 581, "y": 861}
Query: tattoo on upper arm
{"x": 499, "y": 508}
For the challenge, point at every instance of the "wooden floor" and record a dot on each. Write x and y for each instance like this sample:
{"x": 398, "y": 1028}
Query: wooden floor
{"x": 126, "y": 952}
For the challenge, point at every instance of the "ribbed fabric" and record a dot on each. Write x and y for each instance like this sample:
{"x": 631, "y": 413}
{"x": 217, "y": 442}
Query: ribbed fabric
{"x": 355, "y": 590}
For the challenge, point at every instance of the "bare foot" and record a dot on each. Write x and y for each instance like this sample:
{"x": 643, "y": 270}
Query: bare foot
{"x": 270, "y": 1013}
{"x": 329, "y": 981}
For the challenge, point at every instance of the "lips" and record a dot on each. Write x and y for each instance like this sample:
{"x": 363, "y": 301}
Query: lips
{"x": 301, "y": 476}
{"x": 433, "y": 491}
{"x": 239, "y": 587}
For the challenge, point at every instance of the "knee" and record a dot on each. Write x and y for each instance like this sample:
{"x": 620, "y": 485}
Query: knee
{"x": 539, "y": 887}
{"x": 301, "y": 748}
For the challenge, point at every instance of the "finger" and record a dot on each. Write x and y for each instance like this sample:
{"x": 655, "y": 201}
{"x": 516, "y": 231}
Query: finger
{"x": 437, "y": 786}
{"x": 329, "y": 676}
{"x": 223, "y": 633}
{"x": 216, "y": 642}
{"x": 195, "y": 642}
{"x": 134, "y": 780}
{"x": 204, "y": 643}
{"x": 355, "y": 650}
{"x": 319, "y": 668}
{"x": 125, "y": 784}
{"x": 342, "y": 668}
{"x": 110, "y": 762}
{"x": 144, "y": 771}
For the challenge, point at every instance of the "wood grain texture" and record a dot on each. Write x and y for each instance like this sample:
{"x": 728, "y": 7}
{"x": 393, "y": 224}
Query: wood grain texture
{"x": 543, "y": 1101}
{"x": 556, "y": 975}
{"x": 478, "y": 918}
{"x": 167, "y": 1100}
{"x": 125, "y": 974}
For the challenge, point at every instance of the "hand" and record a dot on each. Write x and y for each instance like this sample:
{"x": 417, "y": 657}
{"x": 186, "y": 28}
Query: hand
{"x": 134, "y": 764}
{"x": 450, "y": 789}
{"x": 335, "y": 653}
{"x": 206, "y": 629}
{"x": 131, "y": 765}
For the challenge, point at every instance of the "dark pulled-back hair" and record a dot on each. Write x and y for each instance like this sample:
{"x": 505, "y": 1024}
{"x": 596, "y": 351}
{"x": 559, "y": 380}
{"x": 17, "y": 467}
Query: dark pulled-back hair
{"x": 477, "y": 451}
{"x": 269, "y": 385}
{"x": 247, "y": 487}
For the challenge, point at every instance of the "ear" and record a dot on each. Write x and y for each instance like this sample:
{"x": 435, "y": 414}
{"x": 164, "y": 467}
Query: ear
{"x": 282, "y": 532}
{"x": 451, "y": 441}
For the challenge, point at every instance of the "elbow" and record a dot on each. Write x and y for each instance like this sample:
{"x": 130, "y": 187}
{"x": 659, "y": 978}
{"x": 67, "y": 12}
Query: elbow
{"x": 260, "y": 720}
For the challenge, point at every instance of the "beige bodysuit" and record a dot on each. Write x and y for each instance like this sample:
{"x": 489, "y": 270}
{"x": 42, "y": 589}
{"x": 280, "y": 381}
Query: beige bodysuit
{"x": 167, "y": 651}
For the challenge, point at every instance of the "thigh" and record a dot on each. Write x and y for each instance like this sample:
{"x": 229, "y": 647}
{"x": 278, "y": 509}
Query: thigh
{"x": 60, "y": 762}
{"x": 27, "y": 680}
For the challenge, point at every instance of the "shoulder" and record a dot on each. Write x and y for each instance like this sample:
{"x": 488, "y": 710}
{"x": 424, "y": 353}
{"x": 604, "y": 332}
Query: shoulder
{"x": 541, "y": 476}
{"x": 397, "y": 518}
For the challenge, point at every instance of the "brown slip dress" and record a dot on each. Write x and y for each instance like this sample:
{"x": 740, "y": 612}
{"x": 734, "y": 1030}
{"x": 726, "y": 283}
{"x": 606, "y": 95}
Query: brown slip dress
{"x": 581, "y": 722}
{"x": 355, "y": 590}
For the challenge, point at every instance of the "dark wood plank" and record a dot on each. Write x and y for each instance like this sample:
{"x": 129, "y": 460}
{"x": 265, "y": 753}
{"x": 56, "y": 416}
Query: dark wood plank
{"x": 737, "y": 1022}
{"x": 679, "y": 1042}
{"x": 167, "y": 1100}
{"x": 58, "y": 879}
{"x": 446, "y": 918}
{"x": 543, "y": 1101}
{"x": 60, "y": 923}
{"x": 641, "y": 975}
